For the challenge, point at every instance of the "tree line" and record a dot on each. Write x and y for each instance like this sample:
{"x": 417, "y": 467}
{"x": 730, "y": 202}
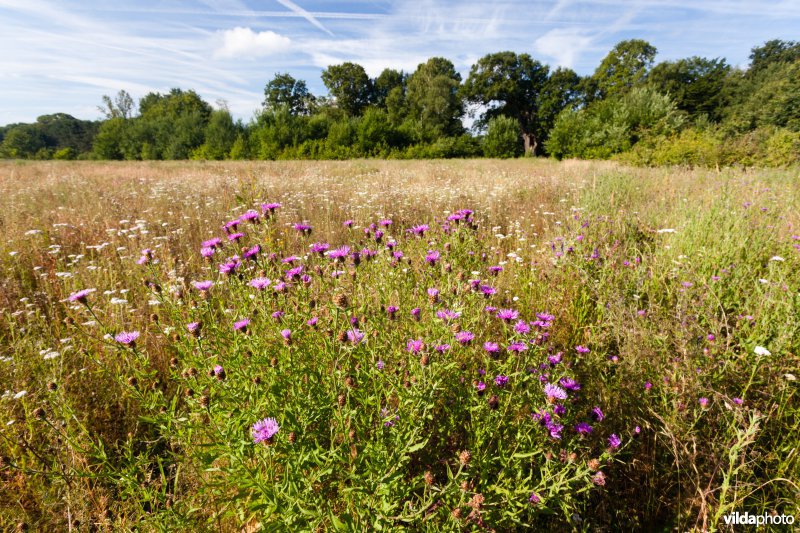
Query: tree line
{"x": 697, "y": 110}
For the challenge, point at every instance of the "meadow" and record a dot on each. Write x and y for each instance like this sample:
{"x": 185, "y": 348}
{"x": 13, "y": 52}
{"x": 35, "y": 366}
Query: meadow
{"x": 440, "y": 345}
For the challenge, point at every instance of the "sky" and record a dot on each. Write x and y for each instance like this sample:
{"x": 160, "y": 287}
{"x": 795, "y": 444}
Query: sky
{"x": 63, "y": 56}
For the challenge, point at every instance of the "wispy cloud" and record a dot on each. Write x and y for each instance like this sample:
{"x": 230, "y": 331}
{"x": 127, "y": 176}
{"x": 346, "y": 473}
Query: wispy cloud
{"x": 305, "y": 14}
{"x": 563, "y": 45}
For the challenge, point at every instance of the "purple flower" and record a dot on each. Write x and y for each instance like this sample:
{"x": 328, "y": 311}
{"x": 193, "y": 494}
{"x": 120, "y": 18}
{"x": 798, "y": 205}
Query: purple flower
{"x": 501, "y": 380}
{"x": 80, "y": 296}
{"x": 517, "y": 347}
{"x": 491, "y": 347}
{"x": 260, "y": 283}
{"x": 216, "y": 242}
{"x": 305, "y": 229}
{"x": 252, "y": 252}
{"x": 442, "y": 348}
{"x": 279, "y": 287}
{"x": 347, "y": 223}
{"x": 555, "y": 430}
{"x": 554, "y": 392}
{"x": 522, "y": 328}
{"x": 703, "y": 402}
{"x": 597, "y": 414}
{"x": 488, "y": 290}
{"x": 583, "y": 428}
{"x": 534, "y": 499}
{"x": 379, "y": 365}
{"x": 432, "y": 257}
{"x": 312, "y": 321}
{"x": 320, "y": 247}
{"x": 389, "y": 420}
{"x": 193, "y": 327}
{"x": 545, "y": 317}
{"x": 293, "y": 273}
{"x": 355, "y": 336}
{"x": 419, "y": 230}
{"x": 127, "y": 338}
{"x": 507, "y": 315}
{"x": 264, "y": 430}
{"x": 415, "y": 346}
{"x": 495, "y": 269}
{"x": 554, "y": 359}
{"x": 582, "y": 349}
{"x": 277, "y": 315}
{"x": 481, "y": 386}
{"x": 229, "y": 267}
{"x": 416, "y": 312}
{"x": 235, "y": 236}
{"x": 218, "y": 370}
{"x": 271, "y": 207}
{"x": 206, "y": 251}
{"x": 250, "y": 216}
{"x": 202, "y": 285}
{"x": 614, "y": 441}
{"x": 738, "y": 401}
{"x": 339, "y": 254}
{"x": 433, "y": 293}
{"x": 569, "y": 384}
{"x": 465, "y": 337}
{"x": 286, "y": 334}
{"x": 241, "y": 325}
{"x": 446, "y": 315}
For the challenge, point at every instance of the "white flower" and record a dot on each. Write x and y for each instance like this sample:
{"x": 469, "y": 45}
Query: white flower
{"x": 760, "y": 350}
{"x": 666, "y": 230}
{"x": 20, "y": 394}
{"x": 777, "y": 258}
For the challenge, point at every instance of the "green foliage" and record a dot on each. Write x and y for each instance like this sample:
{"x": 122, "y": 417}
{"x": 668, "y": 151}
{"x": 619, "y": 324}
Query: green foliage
{"x": 284, "y": 90}
{"x": 433, "y": 101}
{"x": 696, "y": 85}
{"x": 625, "y": 67}
{"x": 502, "y": 138}
{"x": 350, "y": 86}
{"x": 613, "y": 125}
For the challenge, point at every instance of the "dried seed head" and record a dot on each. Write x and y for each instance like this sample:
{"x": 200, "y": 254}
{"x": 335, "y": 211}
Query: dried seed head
{"x": 477, "y": 501}
{"x": 205, "y": 401}
{"x": 192, "y": 372}
{"x": 52, "y": 386}
{"x": 340, "y": 300}
{"x": 341, "y": 399}
{"x": 352, "y": 434}
{"x": 188, "y": 393}
{"x": 424, "y": 360}
{"x": 494, "y": 402}
{"x": 257, "y": 380}
{"x": 154, "y": 318}
{"x": 132, "y": 381}
{"x": 464, "y": 458}
{"x": 342, "y": 337}
{"x": 428, "y": 476}
{"x": 456, "y": 513}
{"x": 594, "y": 465}
{"x": 465, "y": 485}
{"x": 173, "y": 363}
{"x": 273, "y": 362}
{"x": 350, "y": 382}
{"x": 39, "y": 413}
{"x": 292, "y": 437}
{"x": 455, "y": 328}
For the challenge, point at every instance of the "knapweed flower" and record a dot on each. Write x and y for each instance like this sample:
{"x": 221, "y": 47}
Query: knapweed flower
{"x": 501, "y": 380}
{"x": 391, "y": 310}
{"x": 264, "y": 430}
{"x": 260, "y": 283}
{"x": 241, "y": 325}
{"x": 614, "y": 441}
{"x": 415, "y": 345}
{"x": 441, "y": 348}
{"x": 446, "y": 315}
{"x": 522, "y": 328}
{"x": 229, "y": 267}
{"x": 583, "y": 428}
{"x": 339, "y": 254}
{"x": 569, "y": 384}
{"x": 582, "y": 349}
{"x": 597, "y": 414}
{"x": 286, "y": 334}
{"x": 206, "y": 251}
{"x": 320, "y": 247}
{"x": 218, "y": 371}
{"x": 127, "y": 338}
{"x": 80, "y": 296}
{"x": 389, "y": 419}
{"x": 554, "y": 392}
{"x": 305, "y": 229}
{"x": 517, "y": 347}
{"x": 202, "y": 285}
{"x": 251, "y": 253}
{"x": 432, "y": 257}
{"x": 193, "y": 328}
{"x": 465, "y": 337}
{"x": 379, "y": 365}
{"x": 507, "y": 315}
{"x": 278, "y": 315}
{"x": 415, "y": 313}
{"x": 419, "y": 230}
{"x": 312, "y": 321}
{"x": 215, "y": 242}
{"x": 355, "y": 336}
{"x": 491, "y": 347}
{"x": 480, "y": 386}
{"x": 271, "y": 207}
{"x": 495, "y": 270}
{"x": 347, "y": 223}
{"x": 235, "y": 236}
{"x": 554, "y": 359}
{"x": 703, "y": 402}
{"x": 294, "y": 273}
{"x": 534, "y": 499}
{"x": 488, "y": 290}
{"x": 289, "y": 260}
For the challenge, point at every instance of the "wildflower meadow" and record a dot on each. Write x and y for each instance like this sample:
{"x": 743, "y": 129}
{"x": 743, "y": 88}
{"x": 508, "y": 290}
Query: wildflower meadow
{"x": 388, "y": 345}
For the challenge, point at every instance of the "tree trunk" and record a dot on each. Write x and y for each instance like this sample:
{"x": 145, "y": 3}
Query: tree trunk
{"x": 530, "y": 143}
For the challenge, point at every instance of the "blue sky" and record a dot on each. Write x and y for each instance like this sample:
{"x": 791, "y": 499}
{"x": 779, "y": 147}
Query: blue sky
{"x": 62, "y": 56}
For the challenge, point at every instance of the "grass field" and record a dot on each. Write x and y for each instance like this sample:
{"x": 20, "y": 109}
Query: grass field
{"x": 441, "y": 345}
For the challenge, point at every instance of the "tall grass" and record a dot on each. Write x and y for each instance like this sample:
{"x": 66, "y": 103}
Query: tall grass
{"x": 649, "y": 297}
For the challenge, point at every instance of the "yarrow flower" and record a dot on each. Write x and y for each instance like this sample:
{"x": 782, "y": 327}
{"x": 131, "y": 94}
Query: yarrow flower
{"x": 264, "y": 430}
{"x": 127, "y": 338}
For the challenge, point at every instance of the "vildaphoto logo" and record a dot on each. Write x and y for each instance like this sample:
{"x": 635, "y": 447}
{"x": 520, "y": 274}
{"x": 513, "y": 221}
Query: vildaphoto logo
{"x": 747, "y": 519}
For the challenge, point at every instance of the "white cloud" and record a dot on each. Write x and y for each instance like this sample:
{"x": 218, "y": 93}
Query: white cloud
{"x": 564, "y": 45}
{"x": 245, "y": 43}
